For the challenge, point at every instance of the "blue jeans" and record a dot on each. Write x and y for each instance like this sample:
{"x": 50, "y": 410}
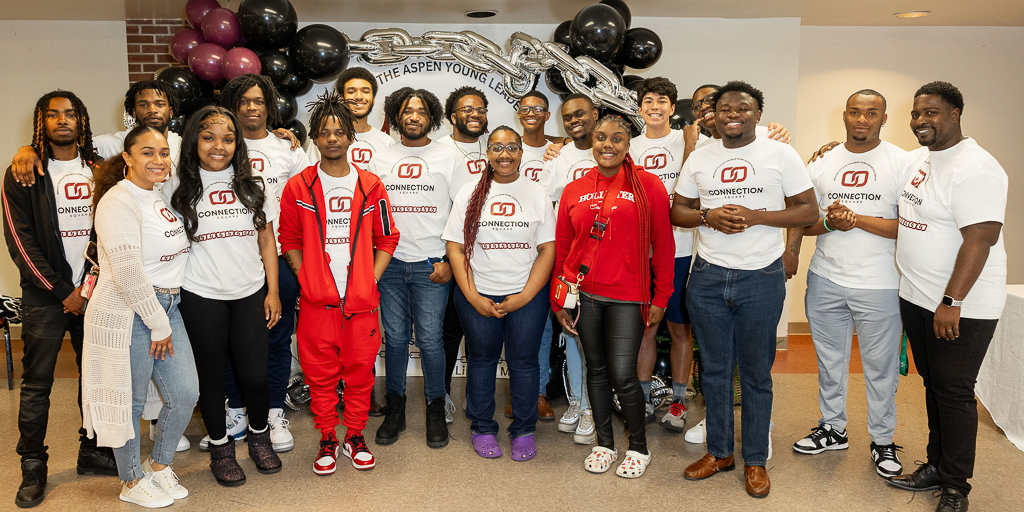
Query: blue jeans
{"x": 519, "y": 332}
{"x": 176, "y": 379}
{"x": 544, "y": 354}
{"x": 576, "y": 367}
{"x": 735, "y": 314}
{"x": 408, "y": 297}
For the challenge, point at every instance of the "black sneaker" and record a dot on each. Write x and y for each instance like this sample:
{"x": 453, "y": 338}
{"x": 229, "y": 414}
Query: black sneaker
{"x": 952, "y": 500}
{"x": 822, "y": 438}
{"x": 437, "y": 428}
{"x": 887, "y": 462}
{"x": 33, "y": 483}
{"x": 924, "y": 478}
{"x": 96, "y": 460}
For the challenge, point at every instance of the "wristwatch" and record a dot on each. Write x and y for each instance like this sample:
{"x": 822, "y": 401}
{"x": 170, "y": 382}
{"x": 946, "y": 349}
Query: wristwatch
{"x": 951, "y": 302}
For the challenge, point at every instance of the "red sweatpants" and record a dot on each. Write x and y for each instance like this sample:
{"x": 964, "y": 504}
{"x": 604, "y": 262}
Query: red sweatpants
{"x": 332, "y": 348}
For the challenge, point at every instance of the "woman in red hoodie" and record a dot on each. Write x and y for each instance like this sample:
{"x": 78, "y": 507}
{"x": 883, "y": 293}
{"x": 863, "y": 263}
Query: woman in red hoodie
{"x": 620, "y": 250}
{"x": 337, "y": 234}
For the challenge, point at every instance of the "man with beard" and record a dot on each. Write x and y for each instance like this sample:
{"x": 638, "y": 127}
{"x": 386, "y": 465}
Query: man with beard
{"x": 358, "y": 87}
{"x": 47, "y": 228}
{"x": 417, "y": 175}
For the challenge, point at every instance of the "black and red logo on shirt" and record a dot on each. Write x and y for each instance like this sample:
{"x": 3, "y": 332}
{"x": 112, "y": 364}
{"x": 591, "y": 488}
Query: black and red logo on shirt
{"x": 410, "y": 171}
{"x": 476, "y": 166}
{"x": 533, "y": 173}
{"x": 339, "y": 204}
{"x": 168, "y": 215}
{"x": 854, "y": 178}
{"x": 654, "y": 162}
{"x": 77, "y": 191}
{"x": 499, "y": 209}
{"x": 222, "y": 197}
{"x": 734, "y": 174}
{"x": 361, "y": 155}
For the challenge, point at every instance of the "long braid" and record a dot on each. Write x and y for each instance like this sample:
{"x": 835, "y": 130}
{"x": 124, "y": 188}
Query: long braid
{"x": 474, "y": 210}
{"x": 643, "y": 209}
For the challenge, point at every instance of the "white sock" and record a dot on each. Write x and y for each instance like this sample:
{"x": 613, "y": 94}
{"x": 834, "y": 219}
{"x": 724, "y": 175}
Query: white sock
{"x": 259, "y": 431}
{"x": 220, "y": 442}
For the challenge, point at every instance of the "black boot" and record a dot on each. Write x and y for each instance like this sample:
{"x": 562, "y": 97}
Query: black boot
{"x": 437, "y": 428}
{"x": 394, "y": 419}
{"x": 224, "y": 466}
{"x": 96, "y": 460}
{"x": 262, "y": 453}
{"x": 952, "y": 500}
{"x": 33, "y": 483}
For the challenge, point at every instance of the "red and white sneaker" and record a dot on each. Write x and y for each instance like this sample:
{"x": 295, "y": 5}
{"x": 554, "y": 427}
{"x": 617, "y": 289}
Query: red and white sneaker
{"x": 355, "y": 449}
{"x": 327, "y": 460}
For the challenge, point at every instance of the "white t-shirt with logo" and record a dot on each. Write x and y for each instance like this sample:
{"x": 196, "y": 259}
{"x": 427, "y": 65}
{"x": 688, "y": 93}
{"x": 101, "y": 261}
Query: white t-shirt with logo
{"x": 532, "y": 164}
{"x": 868, "y": 184}
{"x": 515, "y": 219}
{"x": 72, "y": 188}
{"x": 418, "y": 181}
{"x": 338, "y": 193}
{"x": 758, "y": 176}
{"x": 275, "y": 161}
{"x": 165, "y": 246}
{"x": 946, "y": 191}
{"x": 111, "y": 144}
{"x": 663, "y": 157}
{"x": 572, "y": 163}
{"x": 361, "y": 151}
{"x": 472, "y": 161}
{"x": 225, "y": 261}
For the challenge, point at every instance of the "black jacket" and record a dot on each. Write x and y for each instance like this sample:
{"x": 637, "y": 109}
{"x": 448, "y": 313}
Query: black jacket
{"x": 33, "y": 239}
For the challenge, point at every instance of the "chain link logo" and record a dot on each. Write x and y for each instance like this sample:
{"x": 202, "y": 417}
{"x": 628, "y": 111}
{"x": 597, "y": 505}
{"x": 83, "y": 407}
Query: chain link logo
{"x": 918, "y": 178}
{"x": 222, "y": 197}
{"x": 503, "y": 209}
{"x": 168, "y": 214}
{"x": 653, "y": 162}
{"x": 410, "y": 171}
{"x": 533, "y": 173}
{"x": 257, "y": 164}
{"x": 361, "y": 155}
{"x": 340, "y": 204}
{"x": 77, "y": 191}
{"x": 855, "y": 178}
{"x": 734, "y": 174}
{"x": 476, "y": 166}
{"x": 578, "y": 173}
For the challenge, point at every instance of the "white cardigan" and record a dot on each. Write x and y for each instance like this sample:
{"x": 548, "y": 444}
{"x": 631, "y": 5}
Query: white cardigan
{"x": 123, "y": 290}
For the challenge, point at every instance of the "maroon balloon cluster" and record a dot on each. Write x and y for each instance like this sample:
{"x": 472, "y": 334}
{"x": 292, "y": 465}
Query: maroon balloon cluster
{"x": 213, "y": 48}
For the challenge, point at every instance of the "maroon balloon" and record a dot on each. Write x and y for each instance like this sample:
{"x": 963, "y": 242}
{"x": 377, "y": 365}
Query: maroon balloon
{"x": 183, "y": 42}
{"x": 239, "y": 61}
{"x": 195, "y": 10}
{"x": 220, "y": 26}
{"x": 205, "y": 60}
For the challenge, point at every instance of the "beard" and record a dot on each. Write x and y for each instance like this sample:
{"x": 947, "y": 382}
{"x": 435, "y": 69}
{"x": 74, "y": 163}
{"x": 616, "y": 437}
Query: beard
{"x": 463, "y": 128}
{"x": 410, "y": 135}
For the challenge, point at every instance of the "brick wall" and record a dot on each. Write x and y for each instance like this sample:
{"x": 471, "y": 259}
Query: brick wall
{"x": 147, "y": 46}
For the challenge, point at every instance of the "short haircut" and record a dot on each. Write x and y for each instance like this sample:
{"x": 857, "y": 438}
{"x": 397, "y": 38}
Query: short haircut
{"x": 328, "y": 105}
{"x": 868, "y": 92}
{"x": 453, "y": 99}
{"x": 231, "y": 95}
{"x": 949, "y": 93}
{"x": 354, "y": 73}
{"x": 536, "y": 94}
{"x": 740, "y": 86}
{"x": 397, "y": 100}
{"x": 707, "y": 86}
{"x": 657, "y": 85}
{"x": 157, "y": 85}
{"x": 578, "y": 96}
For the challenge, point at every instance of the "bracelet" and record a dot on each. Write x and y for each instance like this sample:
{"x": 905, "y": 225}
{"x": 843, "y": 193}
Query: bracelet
{"x": 824, "y": 222}
{"x": 704, "y": 217}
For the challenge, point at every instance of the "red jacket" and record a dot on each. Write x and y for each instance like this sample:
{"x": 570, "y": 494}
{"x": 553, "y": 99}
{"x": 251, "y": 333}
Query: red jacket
{"x": 303, "y": 215}
{"x": 615, "y": 273}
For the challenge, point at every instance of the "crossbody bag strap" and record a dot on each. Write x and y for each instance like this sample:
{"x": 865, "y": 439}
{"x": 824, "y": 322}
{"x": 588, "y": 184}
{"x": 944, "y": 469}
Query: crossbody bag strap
{"x": 600, "y": 226}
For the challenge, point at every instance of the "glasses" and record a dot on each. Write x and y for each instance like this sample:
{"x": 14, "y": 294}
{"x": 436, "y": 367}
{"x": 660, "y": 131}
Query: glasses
{"x": 536, "y": 109}
{"x": 470, "y": 110}
{"x": 498, "y": 148}
{"x": 706, "y": 100}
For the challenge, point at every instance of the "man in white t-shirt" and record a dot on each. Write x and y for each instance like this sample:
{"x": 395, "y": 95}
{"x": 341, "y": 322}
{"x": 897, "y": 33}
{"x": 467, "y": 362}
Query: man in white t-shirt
{"x": 949, "y": 249}
{"x": 358, "y": 87}
{"x": 417, "y": 174}
{"x": 737, "y": 193}
{"x": 852, "y": 280}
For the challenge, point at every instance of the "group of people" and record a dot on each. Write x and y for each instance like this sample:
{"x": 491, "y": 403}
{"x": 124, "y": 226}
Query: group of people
{"x": 204, "y": 243}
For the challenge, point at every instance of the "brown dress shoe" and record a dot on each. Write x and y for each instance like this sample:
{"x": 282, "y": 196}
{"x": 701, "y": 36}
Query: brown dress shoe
{"x": 544, "y": 411}
{"x": 508, "y": 409}
{"x": 708, "y": 465}
{"x": 758, "y": 484}
{"x": 375, "y": 407}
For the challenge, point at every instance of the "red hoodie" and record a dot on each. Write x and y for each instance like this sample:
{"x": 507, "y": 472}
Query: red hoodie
{"x": 615, "y": 273}
{"x": 303, "y": 215}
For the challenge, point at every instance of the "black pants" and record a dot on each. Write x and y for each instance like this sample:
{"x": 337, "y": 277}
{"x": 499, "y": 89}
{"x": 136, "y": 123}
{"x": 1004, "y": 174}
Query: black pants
{"x": 220, "y": 330}
{"x": 452, "y": 334}
{"x": 949, "y": 370}
{"x": 43, "y": 331}
{"x": 610, "y": 333}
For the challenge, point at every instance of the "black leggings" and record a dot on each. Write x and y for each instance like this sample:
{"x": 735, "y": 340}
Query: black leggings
{"x": 452, "y": 334}
{"x": 610, "y": 333}
{"x": 223, "y": 329}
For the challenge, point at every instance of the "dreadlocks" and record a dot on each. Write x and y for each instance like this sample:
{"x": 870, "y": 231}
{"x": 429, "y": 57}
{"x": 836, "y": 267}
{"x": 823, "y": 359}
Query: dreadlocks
{"x": 328, "y": 105}
{"x": 397, "y": 101}
{"x": 163, "y": 87}
{"x": 231, "y": 95}
{"x": 41, "y": 142}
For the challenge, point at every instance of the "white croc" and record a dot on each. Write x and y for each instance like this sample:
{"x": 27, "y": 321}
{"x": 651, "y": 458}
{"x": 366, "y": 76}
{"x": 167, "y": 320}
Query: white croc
{"x": 634, "y": 465}
{"x": 600, "y": 460}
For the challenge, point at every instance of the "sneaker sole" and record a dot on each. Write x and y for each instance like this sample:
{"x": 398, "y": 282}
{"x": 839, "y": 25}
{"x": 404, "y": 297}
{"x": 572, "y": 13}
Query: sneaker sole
{"x": 668, "y": 425}
{"x": 568, "y": 428}
{"x": 146, "y": 505}
{"x": 357, "y": 466}
{"x": 325, "y": 472}
{"x": 816, "y": 451}
{"x": 95, "y": 471}
{"x": 584, "y": 439}
{"x": 284, "y": 447}
{"x": 887, "y": 475}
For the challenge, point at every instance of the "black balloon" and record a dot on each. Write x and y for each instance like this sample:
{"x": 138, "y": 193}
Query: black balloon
{"x": 267, "y": 23}
{"x": 297, "y": 128}
{"x": 640, "y": 49}
{"x": 319, "y": 52}
{"x": 562, "y": 33}
{"x": 297, "y": 86}
{"x": 632, "y": 81}
{"x": 187, "y": 86}
{"x": 286, "y": 106}
{"x": 620, "y": 5}
{"x": 597, "y": 31}
{"x": 177, "y": 124}
{"x": 615, "y": 68}
{"x": 555, "y": 82}
{"x": 683, "y": 116}
{"x": 274, "y": 64}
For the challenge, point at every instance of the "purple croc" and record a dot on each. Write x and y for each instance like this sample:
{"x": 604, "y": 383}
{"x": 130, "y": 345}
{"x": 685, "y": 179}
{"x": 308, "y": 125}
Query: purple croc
{"x": 524, "y": 447}
{"x": 486, "y": 445}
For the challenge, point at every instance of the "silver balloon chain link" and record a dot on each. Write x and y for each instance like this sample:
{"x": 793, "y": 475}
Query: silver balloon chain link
{"x": 528, "y": 58}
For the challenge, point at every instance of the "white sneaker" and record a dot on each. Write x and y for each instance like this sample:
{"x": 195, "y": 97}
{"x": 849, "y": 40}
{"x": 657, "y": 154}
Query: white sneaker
{"x": 166, "y": 479}
{"x": 698, "y": 434}
{"x": 183, "y": 444}
{"x": 146, "y": 493}
{"x": 236, "y": 423}
{"x": 280, "y": 437}
{"x": 204, "y": 444}
{"x": 585, "y": 432}
{"x": 567, "y": 423}
{"x": 769, "y": 445}
{"x": 449, "y": 409}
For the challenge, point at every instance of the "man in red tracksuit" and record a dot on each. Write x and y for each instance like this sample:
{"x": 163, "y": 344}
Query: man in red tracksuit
{"x": 337, "y": 234}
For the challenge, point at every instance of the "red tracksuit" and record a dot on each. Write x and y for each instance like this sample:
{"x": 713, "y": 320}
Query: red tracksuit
{"x": 337, "y": 340}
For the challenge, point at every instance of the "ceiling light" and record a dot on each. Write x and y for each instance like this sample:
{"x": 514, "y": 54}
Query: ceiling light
{"x": 481, "y": 14}
{"x": 912, "y": 14}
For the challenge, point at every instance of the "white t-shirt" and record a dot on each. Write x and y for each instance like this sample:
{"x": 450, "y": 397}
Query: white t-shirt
{"x": 361, "y": 151}
{"x": 338, "y": 193}
{"x": 946, "y": 191}
{"x": 165, "y": 246}
{"x": 868, "y": 184}
{"x": 515, "y": 219}
{"x": 225, "y": 261}
{"x": 72, "y": 188}
{"x": 472, "y": 161}
{"x": 532, "y": 164}
{"x": 274, "y": 159}
{"x": 663, "y": 158}
{"x": 572, "y": 163}
{"x": 418, "y": 181}
{"x": 111, "y": 144}
{"x": 759, "y": 176}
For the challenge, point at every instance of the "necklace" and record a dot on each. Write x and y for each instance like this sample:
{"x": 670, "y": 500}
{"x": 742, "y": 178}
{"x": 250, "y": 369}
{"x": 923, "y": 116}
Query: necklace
{"x": 479, "y": 146}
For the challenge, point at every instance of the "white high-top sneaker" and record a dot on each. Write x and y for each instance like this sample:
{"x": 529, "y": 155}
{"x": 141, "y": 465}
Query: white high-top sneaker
{"x": 280, "y": 437}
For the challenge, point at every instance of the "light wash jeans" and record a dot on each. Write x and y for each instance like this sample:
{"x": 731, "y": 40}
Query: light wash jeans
{"x": 577, "y": 369}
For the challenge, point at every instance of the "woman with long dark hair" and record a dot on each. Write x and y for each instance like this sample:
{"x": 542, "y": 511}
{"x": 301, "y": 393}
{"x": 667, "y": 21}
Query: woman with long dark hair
{"x": 500, "y": 236}
{"x": 614, "y": 241}
{"x": 230, "y": 300}
{"x": 133, "y": 329}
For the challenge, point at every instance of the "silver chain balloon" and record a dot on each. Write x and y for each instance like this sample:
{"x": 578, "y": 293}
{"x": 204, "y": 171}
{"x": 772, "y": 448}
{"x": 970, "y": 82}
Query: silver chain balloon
{"x": 528, "y": 58}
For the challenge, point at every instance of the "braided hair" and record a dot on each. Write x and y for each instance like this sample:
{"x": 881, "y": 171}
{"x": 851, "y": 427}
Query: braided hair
{"x": 476, "y": 201}
{"x": 327, "y": 105}
{"x": 231, "y": 95}
{"x": 41, "y": 141}
{"x": 397, "y": 101}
